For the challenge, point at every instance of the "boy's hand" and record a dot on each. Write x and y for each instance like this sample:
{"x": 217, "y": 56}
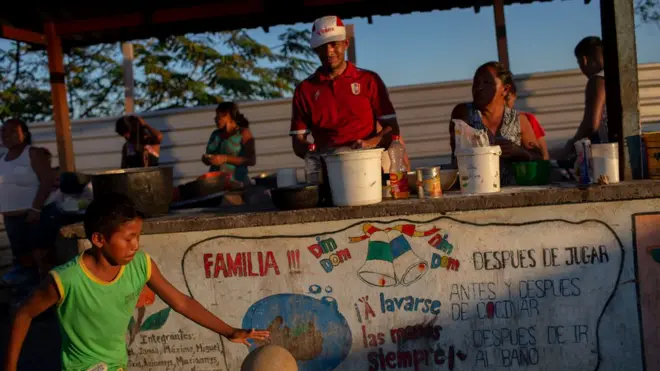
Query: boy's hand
{"x": 241, "y": 336}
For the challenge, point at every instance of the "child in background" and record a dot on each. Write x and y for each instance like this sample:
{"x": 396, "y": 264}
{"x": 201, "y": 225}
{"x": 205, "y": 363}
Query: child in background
{"x": 142, "y": 146}
{"x": 589, "y": 56}
{"x": 71, "y": 203}
{"x": 96, "y": 292}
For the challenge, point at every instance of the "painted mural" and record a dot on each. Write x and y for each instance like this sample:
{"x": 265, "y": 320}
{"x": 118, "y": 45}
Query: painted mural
{"x": 647, "y": 241}
{"x": 405, "y": 295}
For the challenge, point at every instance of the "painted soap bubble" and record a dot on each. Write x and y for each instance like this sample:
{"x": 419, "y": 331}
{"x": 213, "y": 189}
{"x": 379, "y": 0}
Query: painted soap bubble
{"x": 313, "y": 330}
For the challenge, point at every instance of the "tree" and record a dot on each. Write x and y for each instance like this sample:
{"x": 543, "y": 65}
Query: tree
{"x": 177, "y": 71}
{"x": 648, "y": 10}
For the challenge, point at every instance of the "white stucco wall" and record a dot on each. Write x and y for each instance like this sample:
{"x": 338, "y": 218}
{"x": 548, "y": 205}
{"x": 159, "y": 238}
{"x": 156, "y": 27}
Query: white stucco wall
{"x": 548, "y": 314}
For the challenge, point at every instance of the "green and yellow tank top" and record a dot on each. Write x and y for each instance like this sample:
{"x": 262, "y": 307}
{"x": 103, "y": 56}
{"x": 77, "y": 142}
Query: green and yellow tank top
{"x": 94, "y": 314}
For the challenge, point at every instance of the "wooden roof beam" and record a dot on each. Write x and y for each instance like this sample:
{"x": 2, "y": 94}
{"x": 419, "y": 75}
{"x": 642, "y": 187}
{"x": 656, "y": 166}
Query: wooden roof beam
{"x": 17, "y": 34}
{"x": 163, "y": 16}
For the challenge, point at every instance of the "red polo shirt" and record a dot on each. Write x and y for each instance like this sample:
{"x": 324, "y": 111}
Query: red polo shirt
{"x": 341, "y": 111}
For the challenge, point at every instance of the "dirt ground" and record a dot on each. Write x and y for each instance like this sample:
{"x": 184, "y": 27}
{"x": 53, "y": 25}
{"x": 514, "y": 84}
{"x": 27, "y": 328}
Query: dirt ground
{"x": 41, "y": 350}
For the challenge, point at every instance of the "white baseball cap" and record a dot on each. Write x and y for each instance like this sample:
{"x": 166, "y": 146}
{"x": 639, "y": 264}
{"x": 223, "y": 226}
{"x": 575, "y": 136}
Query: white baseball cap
{"x": 327, "y": 29}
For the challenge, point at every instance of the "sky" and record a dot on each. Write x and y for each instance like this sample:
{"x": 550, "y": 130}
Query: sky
{"x": 449, "y": 45}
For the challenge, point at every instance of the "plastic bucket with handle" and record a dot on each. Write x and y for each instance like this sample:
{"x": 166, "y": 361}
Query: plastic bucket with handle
{"x": 479, "y": 169}
{"x": 355, "y": 177}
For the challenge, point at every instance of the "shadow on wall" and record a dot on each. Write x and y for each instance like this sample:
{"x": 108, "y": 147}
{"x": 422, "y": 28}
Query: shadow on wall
{"x": 523, "y": 93}
{"x": 173, "y": 146}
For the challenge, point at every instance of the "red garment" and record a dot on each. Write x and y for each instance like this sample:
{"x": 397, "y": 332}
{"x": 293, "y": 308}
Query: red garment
{"x": 536, "y": 125}
{"x": 341, "y": 111}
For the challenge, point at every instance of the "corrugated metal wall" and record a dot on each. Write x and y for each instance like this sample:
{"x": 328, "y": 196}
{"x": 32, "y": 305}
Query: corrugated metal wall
{"x": 423, "y": 111}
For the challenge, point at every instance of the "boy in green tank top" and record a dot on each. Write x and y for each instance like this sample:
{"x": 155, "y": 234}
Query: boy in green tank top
{"x": 96, "y": 292}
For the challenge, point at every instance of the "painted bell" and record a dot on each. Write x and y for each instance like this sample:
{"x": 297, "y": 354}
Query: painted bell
{"x": 378, "y": 270}
{"x": 408, "y": 266}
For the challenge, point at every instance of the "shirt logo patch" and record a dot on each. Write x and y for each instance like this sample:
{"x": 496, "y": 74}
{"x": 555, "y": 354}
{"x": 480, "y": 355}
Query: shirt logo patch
{"x": 316, "y": 95}
{"x": 99, "y": 367}
{"x": 355, "y": 88}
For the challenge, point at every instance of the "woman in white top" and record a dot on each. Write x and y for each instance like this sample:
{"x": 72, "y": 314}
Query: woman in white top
{"x": 31, "y": 219}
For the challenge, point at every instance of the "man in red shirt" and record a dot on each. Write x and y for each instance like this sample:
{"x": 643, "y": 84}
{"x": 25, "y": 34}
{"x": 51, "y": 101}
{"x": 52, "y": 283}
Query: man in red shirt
{"x": 340, "y": 104}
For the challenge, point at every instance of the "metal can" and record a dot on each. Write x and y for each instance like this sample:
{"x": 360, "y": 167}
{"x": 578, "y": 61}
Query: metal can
{"x": 428, "y": 182}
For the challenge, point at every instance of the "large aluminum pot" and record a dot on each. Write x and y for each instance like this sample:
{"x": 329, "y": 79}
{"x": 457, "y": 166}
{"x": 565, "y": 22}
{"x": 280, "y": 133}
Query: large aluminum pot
{"x": 150, "y": 188}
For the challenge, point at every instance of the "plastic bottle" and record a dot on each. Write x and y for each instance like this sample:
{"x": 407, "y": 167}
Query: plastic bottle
{"x": 313, "y": 166}
{"x": 398, "y": 169}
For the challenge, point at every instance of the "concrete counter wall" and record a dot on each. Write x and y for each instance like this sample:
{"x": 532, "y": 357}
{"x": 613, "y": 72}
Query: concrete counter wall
{"x": 541, "y": 288}
{"x": 244, "y": 217}
{"x": 533, "y": 288}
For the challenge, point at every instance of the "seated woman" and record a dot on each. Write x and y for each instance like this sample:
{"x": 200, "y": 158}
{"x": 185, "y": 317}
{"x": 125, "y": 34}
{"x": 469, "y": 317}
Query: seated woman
{"x": 142, "y": 147}
{"x": 488, "y": 111}
{"x": 231, "y": 148}
{"x": 536, "y": 125}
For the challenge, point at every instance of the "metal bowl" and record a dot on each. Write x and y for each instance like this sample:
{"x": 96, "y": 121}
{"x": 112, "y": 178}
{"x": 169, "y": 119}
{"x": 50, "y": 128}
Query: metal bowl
{"x": 295, "y": 197}
{"x": 448, "y": 178}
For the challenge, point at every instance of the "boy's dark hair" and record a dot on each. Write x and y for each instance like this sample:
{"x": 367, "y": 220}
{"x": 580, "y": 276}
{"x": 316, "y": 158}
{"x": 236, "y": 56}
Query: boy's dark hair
{"x": 590, "y": 46}
{"x": 106, "y": 213}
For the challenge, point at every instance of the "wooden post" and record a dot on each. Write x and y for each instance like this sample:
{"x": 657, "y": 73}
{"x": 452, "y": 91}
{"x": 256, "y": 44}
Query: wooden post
{"x": 500, "y": 33}
{"x": 59, "y": 98}
{"x": 129, "y": 86}
{"x": 350, "y": 35}
{"x": 621, "y": 84}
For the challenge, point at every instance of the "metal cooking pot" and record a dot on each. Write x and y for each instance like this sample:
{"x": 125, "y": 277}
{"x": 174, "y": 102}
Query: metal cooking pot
{"x": 150, "y": 188}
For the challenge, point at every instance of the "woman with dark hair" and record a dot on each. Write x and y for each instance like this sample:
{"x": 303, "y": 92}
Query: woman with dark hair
{"x": 142, "y": 147}
{"x": 30, "y": 217}
{"x": 488, "y": 111}
{"x": 231, "y": 147}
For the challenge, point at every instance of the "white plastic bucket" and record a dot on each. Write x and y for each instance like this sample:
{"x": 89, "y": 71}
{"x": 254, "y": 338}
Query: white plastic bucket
{"x": 355, "y": 177}
{"x": 479, "y": 169}
{"x": 605, "y": 162}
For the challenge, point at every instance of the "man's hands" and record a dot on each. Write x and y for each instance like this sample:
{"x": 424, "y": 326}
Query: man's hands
{"x": 367, "y": 143}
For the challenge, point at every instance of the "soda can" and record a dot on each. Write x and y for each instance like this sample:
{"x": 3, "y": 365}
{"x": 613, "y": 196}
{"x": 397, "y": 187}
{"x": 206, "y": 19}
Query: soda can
{"x": 428, "y": 182}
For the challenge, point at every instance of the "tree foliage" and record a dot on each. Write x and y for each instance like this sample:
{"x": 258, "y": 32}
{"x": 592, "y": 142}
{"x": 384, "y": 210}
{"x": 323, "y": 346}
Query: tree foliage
{"x": 178, "y": 71}
{"x": 648, "y": 10}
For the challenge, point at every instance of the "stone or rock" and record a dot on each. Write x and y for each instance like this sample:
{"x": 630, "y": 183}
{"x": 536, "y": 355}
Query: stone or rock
{"x": 269, "y": 358}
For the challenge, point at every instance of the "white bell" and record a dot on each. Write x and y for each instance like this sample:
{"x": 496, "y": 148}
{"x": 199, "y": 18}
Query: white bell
{"x": 408, "y": 266}
{"x": 378, "y": 270}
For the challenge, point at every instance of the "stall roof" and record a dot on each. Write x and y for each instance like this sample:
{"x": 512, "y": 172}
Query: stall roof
{"x": 83, "y": 23}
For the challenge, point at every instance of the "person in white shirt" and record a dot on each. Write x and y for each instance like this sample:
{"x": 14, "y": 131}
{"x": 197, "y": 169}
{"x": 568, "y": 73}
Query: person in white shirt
{"x": 31, "y": 218}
